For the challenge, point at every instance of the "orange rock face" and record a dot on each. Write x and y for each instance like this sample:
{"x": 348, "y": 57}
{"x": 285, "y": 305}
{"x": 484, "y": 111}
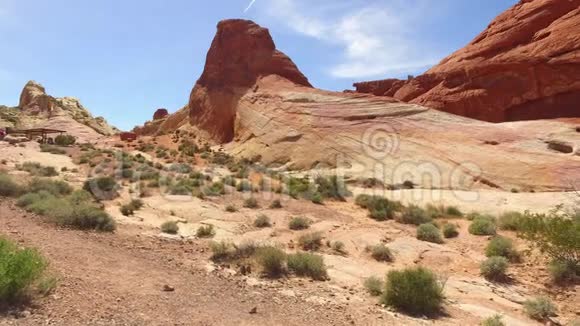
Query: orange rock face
{"x": 524, "y": 66}
{"x": 160, "y": 114}
{"x": 240, "y": 54}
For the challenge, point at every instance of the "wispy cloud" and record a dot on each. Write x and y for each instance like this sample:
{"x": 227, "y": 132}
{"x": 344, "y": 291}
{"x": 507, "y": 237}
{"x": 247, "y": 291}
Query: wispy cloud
{"x": 250, "y": 5}
{"x": 377, "y": 38}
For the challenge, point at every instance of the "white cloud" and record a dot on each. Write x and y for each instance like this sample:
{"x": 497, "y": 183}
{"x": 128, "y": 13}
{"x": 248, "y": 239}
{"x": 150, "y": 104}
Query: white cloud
{"x": 378, "y": 39}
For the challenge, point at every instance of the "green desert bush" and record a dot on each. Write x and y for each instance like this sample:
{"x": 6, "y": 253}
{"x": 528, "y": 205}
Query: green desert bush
{"x": 482, "y": 225}
{"x": 52, "y": 149}
{"x": 272, "y": 260}
{"x": 170, "y": 227}
{"x": 317, "y": 198}
{"x": 435, "y": 211}
{"x": 251, "y": 203}
{"x": 495, "y": 320}
{"x": 231, "y": 209}
{"x": 338, "y": 246}
{"x": 310, "y": 241}
{"x": 413, "y": 290}
{"x": 332, "y": 187}
{"x": 539, "y": 308}
{"x": 37, "y": 169}
{"x": 9, "y": 188}
{"x": 127, "y": 210}
{"x": 216, "y": 189}
{"x": 374, "y": 286}
{"x": 381, "y": 252}
{"x": 276, "y": 204}
{"x": 55, "y": 187}
{"x": 502, "y": 246}
{"x": 102, "y": 188}
{"x": 450, "y": 230}
{"x": 243, "y": 186}
{"x": 509, "y": 221}
{"x": 65, "y": 140}
{"x": 494, "y": 268}
{"x": 563, "y": 271}
{"x": 20, "y": 270}
{"x": 556, "y": 234}
{"x": 205, "y": 231}
{"x": 453, "y": 211}
{"x": 262, "y": 221}
{"x": 414, "y": 215}
{"x": 429, "y": 232}
{"x": 307, "y": 264}
{"x": 299, "y": 223}
{"x": 221, "y": 250}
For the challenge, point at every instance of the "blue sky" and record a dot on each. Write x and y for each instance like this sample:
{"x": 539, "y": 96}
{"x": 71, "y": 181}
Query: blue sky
{"x": 125, "y": 58}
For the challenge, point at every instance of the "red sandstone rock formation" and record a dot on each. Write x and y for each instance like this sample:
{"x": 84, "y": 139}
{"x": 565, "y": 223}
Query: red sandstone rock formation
{"x": 525, "y": 65}
{"x": 160, "y": 114}
{"x": 240, "y": 54}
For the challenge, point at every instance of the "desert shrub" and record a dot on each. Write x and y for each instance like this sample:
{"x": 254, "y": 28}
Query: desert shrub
{"x": 9, "y": 188}
{"x": 127, "y": 210}
{"x": 495, "y": 320}
{"x": 450, "y": 230}
{"x": 55, "y": 187}
{"x": 434, "y": 211}
{"x": 307, "y": 264}
{"x": 331, "y": 187}
{"x": 429, "y": 232}
{"x": 231, "y": 208}
{"x": 276, "y": 204}
{"x": 298, "y": 187}
{"x": 52, "y": 149}
{"x": 413, "y": 290}
{"x": 205, "y": 231}
{"x": 453, "y": 211}
{"x": 482, "y": 226}
{"x": 374, "y": 286}
{"x": 86, "y": 216}
{"x": 563, "y": 271}
{"x": 229, "y": 181}
{"x": 509, "y": 221}
{"x": 251, "y": 203}
{"x": 221, "y": 250}
{"x": 310, "y": 241}
{"x": 414, "y": 215}
{"x": 262, "y": 221}
{"x": 381, "y": 252}
{"x": 272, "y": 261}
{"x": 363, "y": 200}
{"x": 243, "y": 186}
{"x": 494, "y": 268}
{"x": 539, "y": 308}
{"x": 502, "y": 246}
{"x": 317, "y": 198}
{"x": 371, "y": 183}
{"x": 170, "y": 227}
{"x": 338, "y": 246}
{"x": 299, "y": 223}
{"x": 37, "y": 169}
{"x": 180, "y": 168}
{"x": 380, "y": 208}
{"x": 556, "y": 234}
{"x": 20, "y": 269}
{"x": 65, "y": 140}
{"x": 216, "y": 189}
{"x": 102, "y": 188}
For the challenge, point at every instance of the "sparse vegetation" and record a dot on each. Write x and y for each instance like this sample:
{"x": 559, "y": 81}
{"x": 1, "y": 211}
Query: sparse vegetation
{"x": 65, "y": 140}
{"x": 429, "y": 232}
{"x": 205, "y": 231}
{"x": 563, "y": 271}
{"x": 307, "y": 264}
{"x": 299, "y": 223}
{"x": 231, "y": 209}
{"x": 37, "y": 169}
{"x": 502, "y": 246}
{"x": 338, "y": 247}
{"x": 539, "y": 308}
{"x": 251, "y": 203}
{"x": 495, "y": 320}
{"x": 310, "y": 241}
{"x": 262, "y": 221}
{"x": 453, "y": 211}
{"x": 272, "y": 261}
{"x": 171, "y": 227}
{"x": 413, "y": 290}
{"x": 414, "y": 215}
{"x": 52, "y": 149}
{"x": 102, "y": 188}
{"x": 20, "y": 270}
{"x": 9, "y": 188}
{"x": 482, "y": 225}
{"x": 379, "y": 208}
{"x": 276, "y": 204}
{"x": 374, "y": 286}
{"x": 494, "y": 268}
{"x": 509, "y": 221}
{"x": 382, "y": 253}
{"x": 450, "y": 230}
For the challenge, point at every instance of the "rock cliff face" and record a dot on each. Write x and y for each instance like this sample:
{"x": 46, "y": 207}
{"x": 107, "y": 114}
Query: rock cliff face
{"x": 240, "y": 54}
{"x": 524, "y": 66}
{"x": 36, "y": 107}
{"x": 160, "y": 114}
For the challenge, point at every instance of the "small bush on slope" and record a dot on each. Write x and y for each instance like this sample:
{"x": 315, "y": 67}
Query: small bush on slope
{"x": 540, "y": 308}
{"x": 494, "y": 268}
{"x": 9, "y": 188}
{"x": 170, "y": 227}
{"x": 482, "y": 226}
{"x": 307, "y": 264}
{"x": 502, "y": 246}
{"x": 374, "y": 286}
{"x": 413, "y": 290}
{"x": 429, "y": 232}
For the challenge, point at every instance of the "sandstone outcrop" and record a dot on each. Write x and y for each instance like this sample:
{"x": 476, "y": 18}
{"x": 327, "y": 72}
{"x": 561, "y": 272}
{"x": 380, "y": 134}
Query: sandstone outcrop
{"x": 525, "y": 65}
{"x": 36, "y": 108}
{"x": 160, "y": 114}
